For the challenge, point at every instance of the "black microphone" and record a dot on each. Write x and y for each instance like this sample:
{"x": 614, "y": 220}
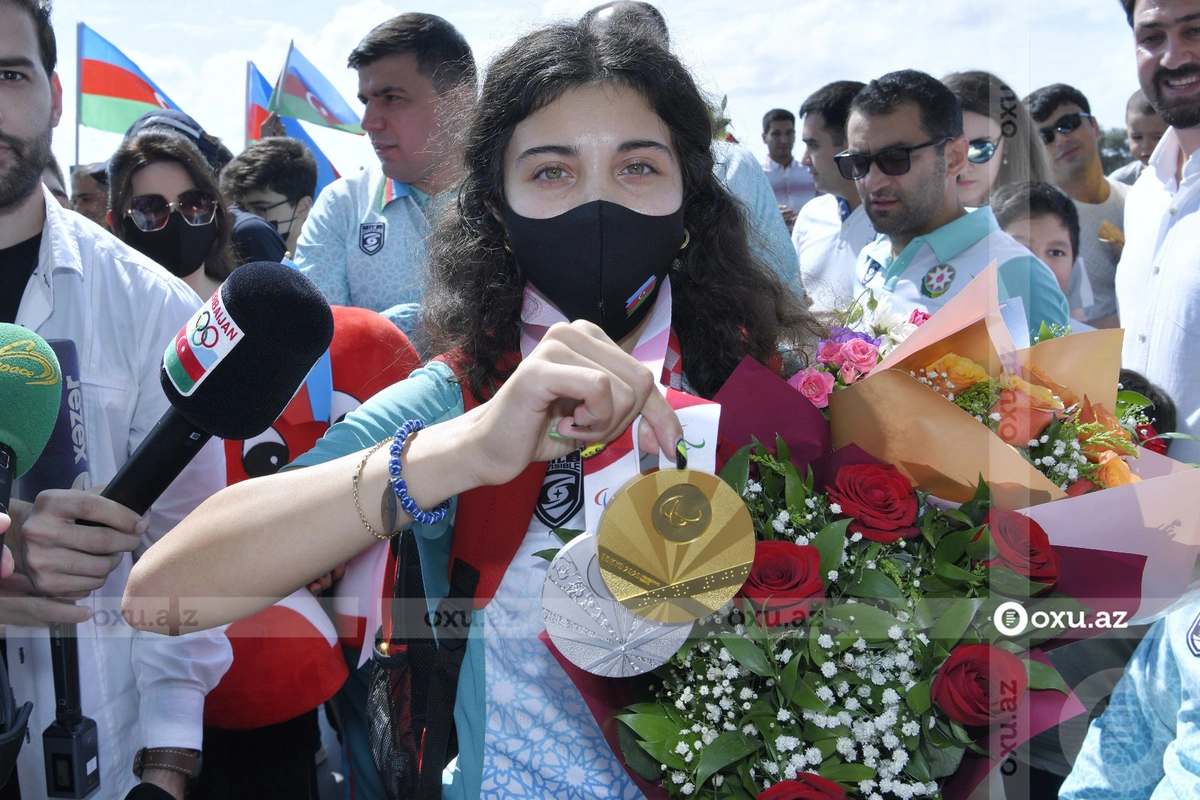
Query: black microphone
{"x": 230, "y": 372}
{"x": 30, "y": 391}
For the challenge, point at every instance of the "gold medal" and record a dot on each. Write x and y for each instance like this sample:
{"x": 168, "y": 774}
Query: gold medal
{"x": 675, "y": 545}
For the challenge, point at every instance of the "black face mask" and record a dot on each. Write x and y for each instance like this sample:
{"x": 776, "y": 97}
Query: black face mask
{"x": 599, "y": 261}
{"x": 179, "y": 247}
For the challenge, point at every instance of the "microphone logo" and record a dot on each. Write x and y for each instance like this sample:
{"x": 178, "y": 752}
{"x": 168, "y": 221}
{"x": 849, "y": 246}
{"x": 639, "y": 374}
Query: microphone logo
{"x": 207, "y": 338}
{"x": 22, "y": 358}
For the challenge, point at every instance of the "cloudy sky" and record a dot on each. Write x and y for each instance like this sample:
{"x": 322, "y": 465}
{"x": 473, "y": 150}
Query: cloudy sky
{"x": 760, "y": 54}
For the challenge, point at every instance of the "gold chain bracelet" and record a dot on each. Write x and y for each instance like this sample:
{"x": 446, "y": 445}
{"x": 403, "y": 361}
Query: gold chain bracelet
{"x": 354, "y": 485}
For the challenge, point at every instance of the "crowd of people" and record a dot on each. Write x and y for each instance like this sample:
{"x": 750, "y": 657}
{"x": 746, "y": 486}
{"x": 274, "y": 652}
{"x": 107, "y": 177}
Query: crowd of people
{"x": 509, "y": 264}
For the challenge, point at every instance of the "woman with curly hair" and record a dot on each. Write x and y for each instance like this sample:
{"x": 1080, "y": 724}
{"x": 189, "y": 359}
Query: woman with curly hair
{"x": 589, "y": 198}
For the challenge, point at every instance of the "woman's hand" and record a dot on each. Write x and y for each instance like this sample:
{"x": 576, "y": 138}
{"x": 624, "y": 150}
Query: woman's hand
{"x": 576, "y": 388}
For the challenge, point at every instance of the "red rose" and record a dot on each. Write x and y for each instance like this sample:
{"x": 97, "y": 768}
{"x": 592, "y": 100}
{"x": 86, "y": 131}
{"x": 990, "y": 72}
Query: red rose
{"x": 1147, "y": 432}
{"x": 1023, "y": 546}
{"x": 980, "y": 684}
{"x": 786, "y": 578}
{"x": 879, "y": 499}
{"x": 918, "y": 317}
{"x": 806, "y": 786}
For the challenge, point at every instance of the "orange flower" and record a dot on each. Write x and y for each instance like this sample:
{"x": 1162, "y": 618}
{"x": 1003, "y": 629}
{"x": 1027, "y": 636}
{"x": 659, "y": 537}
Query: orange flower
{"x": 1025, "y": 411}
{"x": 1114, "y": 471}
{"x": 1097, "y": 413}
{"x": 954, "y": 374}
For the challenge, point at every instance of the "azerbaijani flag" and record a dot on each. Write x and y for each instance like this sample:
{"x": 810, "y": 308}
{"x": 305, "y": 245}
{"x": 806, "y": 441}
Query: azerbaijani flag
{"x": 304, "y": 93}
{"x": 113, "y": 91}
{"x": 258, "y": 94}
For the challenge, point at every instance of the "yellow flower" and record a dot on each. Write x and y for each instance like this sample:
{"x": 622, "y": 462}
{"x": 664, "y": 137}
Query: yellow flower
{"x": 961, "y": 373}
{"x": 1040, "y": 397}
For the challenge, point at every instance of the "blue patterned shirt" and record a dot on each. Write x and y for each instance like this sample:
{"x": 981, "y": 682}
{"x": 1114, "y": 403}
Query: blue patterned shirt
{"x": 364, "y": 245}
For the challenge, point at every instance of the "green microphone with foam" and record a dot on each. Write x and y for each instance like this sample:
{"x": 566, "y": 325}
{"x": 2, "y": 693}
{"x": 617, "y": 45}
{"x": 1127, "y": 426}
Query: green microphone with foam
{"x": 30, "y": 393}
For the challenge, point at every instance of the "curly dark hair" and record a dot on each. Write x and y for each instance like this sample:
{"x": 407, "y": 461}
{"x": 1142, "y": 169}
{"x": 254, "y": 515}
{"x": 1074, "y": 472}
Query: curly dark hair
{"x": 727, "y": 304}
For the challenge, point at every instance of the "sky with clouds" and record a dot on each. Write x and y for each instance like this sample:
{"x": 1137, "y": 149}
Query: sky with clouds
{"x": 759, "y": 54}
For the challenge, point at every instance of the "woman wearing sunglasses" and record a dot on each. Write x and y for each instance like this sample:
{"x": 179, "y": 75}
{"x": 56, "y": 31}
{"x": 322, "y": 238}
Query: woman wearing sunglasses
{"x": 165, "y": 203}
{"x": 1002, "y": 146}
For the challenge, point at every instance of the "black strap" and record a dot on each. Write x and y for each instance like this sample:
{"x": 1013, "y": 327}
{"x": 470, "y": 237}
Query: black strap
{"x": 411, "y": 626}
{"x": 453, "y": 625}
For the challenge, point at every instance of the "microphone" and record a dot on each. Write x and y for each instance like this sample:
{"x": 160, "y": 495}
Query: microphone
{"x": 230, "y": 372}
{"x": 30, "y": 391}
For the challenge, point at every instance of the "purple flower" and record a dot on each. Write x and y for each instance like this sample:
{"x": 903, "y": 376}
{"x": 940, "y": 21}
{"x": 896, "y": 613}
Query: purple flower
{"x": 842, "y": 335}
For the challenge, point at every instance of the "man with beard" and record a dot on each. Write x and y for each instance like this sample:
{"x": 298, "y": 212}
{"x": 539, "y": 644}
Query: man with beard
{"x": 363, "y": 244}
{"x": 1072, "y": 139}
{"x": 65, "y": 278}
{"x": 905, "y": 150}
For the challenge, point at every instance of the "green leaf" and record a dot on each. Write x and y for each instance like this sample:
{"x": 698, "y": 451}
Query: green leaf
{"x": 955, "y": 574}
{"x": 782, "y": 452}
{"x": 789, "y": 676}
{"x": 815, "y": 651}
{"x": 546, "y": 554}
{"x": 847, "y": 773}
{"x": 566, "y": 534}
{"x": 806, "y": 698}
{"x": 952, "y": 546}
{"x": 869, "y": 622}
{"x": 941, "y": 761}
{"x": 794, "y": 491}
{"x": 984, "y": 549}
{"x": 923, "y": 614}
{"x": 727, "y": 748}
{"x": 955, "y": 620}
{"x": 983, "y": 492}
{"x": 664, "y": 753}
{"x": 1004, "y": 581}
{"x": 1126, "y": 397}
{"x": 650, "y": 727}
{"x": 828, "y": 542}
{"x": 917, "y": 768}
{"x": 1044, "y": 676}
{"x": 746, "y": 653}
{"x": 873, "y": 583}
{"x": 737, "y": 470}
{"x": 635, "y": 756}
{"x": 918, "y": 698}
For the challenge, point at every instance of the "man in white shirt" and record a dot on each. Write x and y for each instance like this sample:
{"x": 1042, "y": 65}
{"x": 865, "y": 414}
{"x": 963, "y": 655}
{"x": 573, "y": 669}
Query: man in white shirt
{"x": 1158, "y": 282}
{"x": 75, "y": 281}
{"x": 790, "y": 180}
{"x": 1072, "y": 139}
{"x": 831, "y": 229}
{"x": 363, "y": 244}
{"x": 905, "y": 149}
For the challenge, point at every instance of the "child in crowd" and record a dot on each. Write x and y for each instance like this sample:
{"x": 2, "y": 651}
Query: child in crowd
{"x": 1044, "y": 219}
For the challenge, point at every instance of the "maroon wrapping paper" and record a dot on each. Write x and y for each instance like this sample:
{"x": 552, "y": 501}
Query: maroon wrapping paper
{"x": 757, "y": 403}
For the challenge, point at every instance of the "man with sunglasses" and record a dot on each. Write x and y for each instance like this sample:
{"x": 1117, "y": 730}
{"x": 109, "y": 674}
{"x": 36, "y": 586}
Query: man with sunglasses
{"x": 66, "y": 278}
{"x": 831, "y": 229}
{"x": 1072, "y": 139}
{"x": 905, "y": 150}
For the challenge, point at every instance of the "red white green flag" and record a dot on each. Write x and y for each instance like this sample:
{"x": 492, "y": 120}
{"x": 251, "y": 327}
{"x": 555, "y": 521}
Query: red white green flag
{"x": 113, "y": 91}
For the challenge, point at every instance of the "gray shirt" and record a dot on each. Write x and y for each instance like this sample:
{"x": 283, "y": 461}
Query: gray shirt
{"x": 1098, "y": 255}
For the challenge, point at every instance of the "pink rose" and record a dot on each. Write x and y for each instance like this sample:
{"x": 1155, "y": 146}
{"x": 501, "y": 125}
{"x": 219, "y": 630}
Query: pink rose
{"x": 830, "y": 352}
{"x": 848, "y": 373}
{"x": 814, "y": 384}
{"x": 861, "y": 354}
{"x": 918, "y": 317}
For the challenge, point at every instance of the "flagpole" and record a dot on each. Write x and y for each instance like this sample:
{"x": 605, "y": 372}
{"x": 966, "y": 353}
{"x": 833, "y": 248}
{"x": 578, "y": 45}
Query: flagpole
{"x": 78, "y": 84}
{"x": 274, "y": 103}
{"x": 249, "y": 75}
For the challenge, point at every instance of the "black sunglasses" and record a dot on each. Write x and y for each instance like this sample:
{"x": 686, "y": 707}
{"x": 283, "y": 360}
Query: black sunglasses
{"x": 150, "y": 212}
{"x": 1067, "y": 123}
{"x": 980, "y": 151}
{"x": 892, "y": 161}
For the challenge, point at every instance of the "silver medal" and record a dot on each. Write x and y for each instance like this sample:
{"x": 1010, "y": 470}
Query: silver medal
{"x": 591, "y": 629}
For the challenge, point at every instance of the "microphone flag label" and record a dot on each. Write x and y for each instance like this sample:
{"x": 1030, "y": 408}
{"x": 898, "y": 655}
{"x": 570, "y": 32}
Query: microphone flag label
{"x": 207, "y": 338}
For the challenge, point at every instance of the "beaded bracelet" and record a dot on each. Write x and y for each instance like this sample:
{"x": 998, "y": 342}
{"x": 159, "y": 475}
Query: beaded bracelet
{"x": 401, "y": 488}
